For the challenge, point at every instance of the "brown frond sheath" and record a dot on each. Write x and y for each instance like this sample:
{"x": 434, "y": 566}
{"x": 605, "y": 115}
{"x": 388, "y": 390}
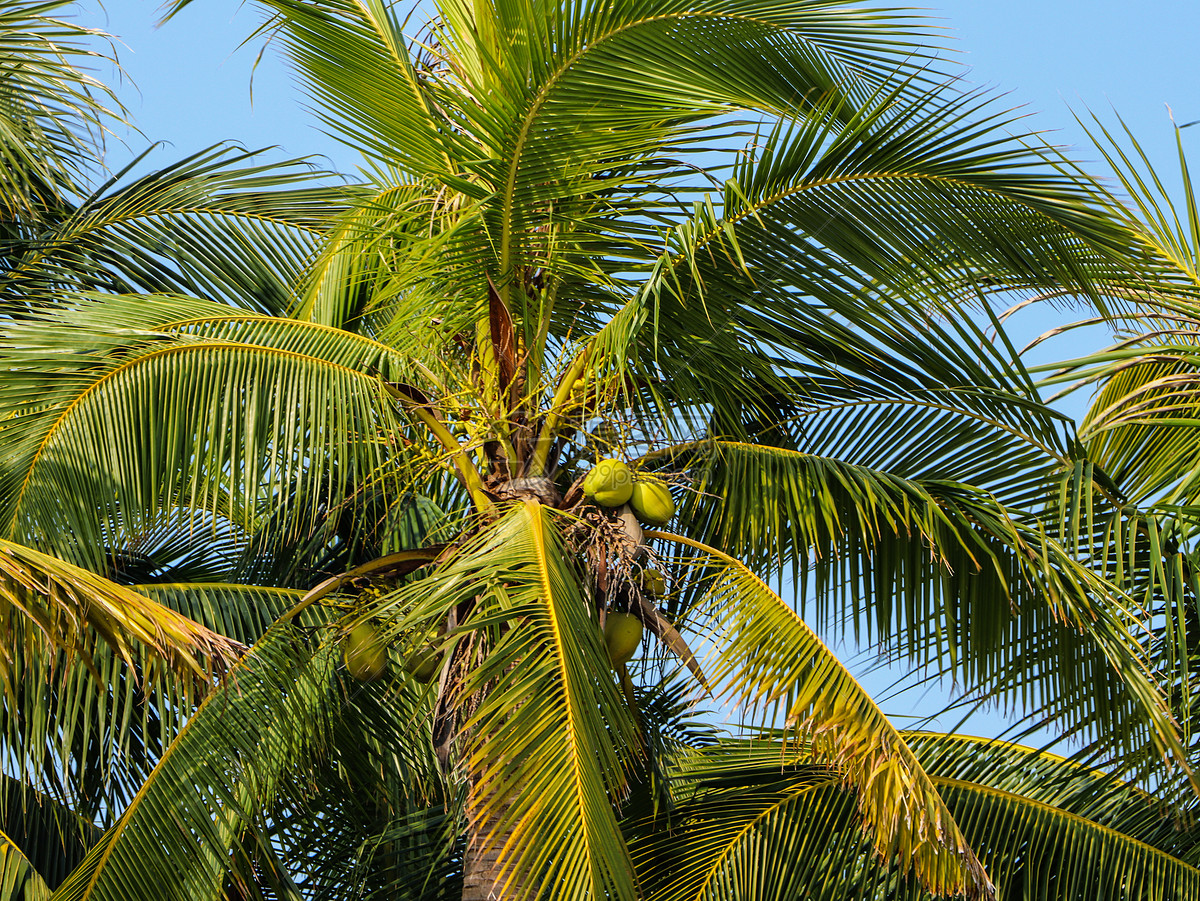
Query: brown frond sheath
{"x": 504, "y": 343}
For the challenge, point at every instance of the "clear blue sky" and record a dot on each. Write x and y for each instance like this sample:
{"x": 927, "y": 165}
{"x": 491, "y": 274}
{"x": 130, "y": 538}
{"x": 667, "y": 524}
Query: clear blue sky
{"x": 195, "y": 83}
{"x": 1048, "y": 56}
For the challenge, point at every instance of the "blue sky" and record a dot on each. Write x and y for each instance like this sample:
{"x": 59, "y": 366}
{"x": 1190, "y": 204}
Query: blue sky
{"x": 196, "y": 87}
{"x": 195, "y": 83}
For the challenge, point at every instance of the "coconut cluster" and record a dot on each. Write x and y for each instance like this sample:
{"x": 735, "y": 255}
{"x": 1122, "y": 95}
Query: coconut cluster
{"x": 611, "y": 483}
{"x": 636, "y": 498}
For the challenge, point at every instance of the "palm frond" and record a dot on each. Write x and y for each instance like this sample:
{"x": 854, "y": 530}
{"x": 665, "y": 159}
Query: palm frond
{"x": 65, "y": 607}
{"x": 769, "y": 661}
{"x": 528, "y": 680}
{"x": 18, "y": 878}
{"x": 220, "y": 224}
{"x": 55, "y": 114}
{"x": 1045, "y": 827}
{"x": 177, "y": 834}
{"x": 111, "y": 421}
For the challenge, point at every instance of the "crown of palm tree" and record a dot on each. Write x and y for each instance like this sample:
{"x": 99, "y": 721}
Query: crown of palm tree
{"x": 746, "y": 250}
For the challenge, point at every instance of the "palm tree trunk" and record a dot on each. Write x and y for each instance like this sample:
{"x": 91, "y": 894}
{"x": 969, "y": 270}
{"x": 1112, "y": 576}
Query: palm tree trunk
{"x": 484, "y": 873}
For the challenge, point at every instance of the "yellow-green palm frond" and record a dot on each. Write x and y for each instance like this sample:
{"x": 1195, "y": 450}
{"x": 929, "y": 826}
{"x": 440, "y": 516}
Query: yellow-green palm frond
{"x": 763, "y": 818}
{"x": 768, "y": 661}
{"x": 18, "y": 878}
{"x": 61, "y": 606}
{"x": 235, "y": 753}
{"x": 544, "y": 733}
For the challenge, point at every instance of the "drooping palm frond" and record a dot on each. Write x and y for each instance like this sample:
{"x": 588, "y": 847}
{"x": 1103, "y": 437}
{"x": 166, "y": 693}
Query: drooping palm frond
{"x": 989, "y": 592}
{"x": 53, "y": 114}
{"x": 175, "y": 838}
{"x": 757, "y": 818}
{"x": 113, "y": 423}
{"x": 61, "y": 606}
{"x": 543, "y": 732}
{"x": 771, "y": 663}
{"x": 85, "y": 726}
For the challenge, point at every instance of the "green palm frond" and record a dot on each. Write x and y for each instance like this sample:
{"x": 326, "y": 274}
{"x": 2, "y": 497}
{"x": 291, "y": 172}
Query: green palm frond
{"x": 771, "y": 663}
{"x": 987, "y": 592}
{"x": 116, "y": 426}
{"x": 55, "y": 114}
{"x": 175, "y": 838}
{"x": 87, "y": 725}
{"x": 1169, "y": 230}
{"x": 1048, "y": 828}
{"x": 18, "y": 878}
{"x": 758, "y": 818}
{"x": 1044, "y": 777}
{"x": 380, "y": 818}
{"x": 920, "y": 197}
{"x": 794, "y": 836}
{"x": 374, "y": 88}
{"x": 544, "y": 732}
{"x": 221, "y": 224}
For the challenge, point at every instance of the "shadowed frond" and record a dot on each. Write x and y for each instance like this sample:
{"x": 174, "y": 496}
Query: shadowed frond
{"x": 19, "y": 880}
{"x": 175, "y": 838}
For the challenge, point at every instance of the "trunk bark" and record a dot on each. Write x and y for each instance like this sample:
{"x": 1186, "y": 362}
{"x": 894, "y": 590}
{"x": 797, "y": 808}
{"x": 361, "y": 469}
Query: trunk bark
{"x": 484, "y": 873}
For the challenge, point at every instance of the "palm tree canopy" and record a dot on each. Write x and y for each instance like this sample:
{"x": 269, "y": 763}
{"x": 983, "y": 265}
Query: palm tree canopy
{"x": 748, "y": 250}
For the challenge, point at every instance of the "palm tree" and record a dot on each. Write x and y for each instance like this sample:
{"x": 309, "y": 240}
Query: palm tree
{"x": 745, "y": 252}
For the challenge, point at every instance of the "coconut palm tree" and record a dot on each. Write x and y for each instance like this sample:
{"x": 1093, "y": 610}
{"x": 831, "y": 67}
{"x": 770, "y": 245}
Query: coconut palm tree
{"x": 736, "y": 257}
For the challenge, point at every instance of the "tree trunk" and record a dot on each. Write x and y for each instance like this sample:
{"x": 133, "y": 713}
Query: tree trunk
{"x": 484, "y": 875}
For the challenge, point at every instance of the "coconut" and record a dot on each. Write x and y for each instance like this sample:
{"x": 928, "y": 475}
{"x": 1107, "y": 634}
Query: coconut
{"x": 622, "y": 635}
{"x": 423, "y": 663}
{"x": 652, "y": 502}
{"x": 609, "y": 484}
{"x": 364, "y": 654}
{"x": 654, "y": 582}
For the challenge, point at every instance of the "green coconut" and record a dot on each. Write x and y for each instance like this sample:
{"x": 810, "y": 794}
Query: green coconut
{"x": 423, "y": 663}
{"x": 622, "y": 636}
{"x": 654, "y": 582}
{"x": 364, "y": 654}
{"x": 652, "y": 502}
{"x": 609, "y": 484}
